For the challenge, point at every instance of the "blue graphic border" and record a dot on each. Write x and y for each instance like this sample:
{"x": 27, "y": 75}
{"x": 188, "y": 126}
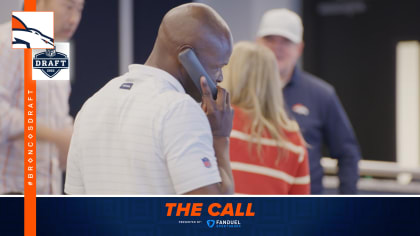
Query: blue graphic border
{"x": 273, "y": 216}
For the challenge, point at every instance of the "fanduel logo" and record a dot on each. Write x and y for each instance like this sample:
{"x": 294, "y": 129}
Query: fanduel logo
{"x": 230, "y": 224}
{"x": 210, "y": 223}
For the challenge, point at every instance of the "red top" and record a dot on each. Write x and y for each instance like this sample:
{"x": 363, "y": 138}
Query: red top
{"x": 261, "y": 175}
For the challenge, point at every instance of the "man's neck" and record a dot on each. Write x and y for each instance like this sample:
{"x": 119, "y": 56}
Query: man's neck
{"x": 287, "y": 77}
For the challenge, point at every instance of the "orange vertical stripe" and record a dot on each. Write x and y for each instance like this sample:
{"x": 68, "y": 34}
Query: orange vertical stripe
{"x": 30, "y": 147}
{"x": 30, "y": 138}
{"x": 29, "y": 5}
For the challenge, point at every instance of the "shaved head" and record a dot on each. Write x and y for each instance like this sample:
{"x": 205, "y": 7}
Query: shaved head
{"x": 195, "y": 26}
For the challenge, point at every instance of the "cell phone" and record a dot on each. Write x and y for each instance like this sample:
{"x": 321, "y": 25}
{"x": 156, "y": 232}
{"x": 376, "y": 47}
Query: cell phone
{"x": 194, "y": 68}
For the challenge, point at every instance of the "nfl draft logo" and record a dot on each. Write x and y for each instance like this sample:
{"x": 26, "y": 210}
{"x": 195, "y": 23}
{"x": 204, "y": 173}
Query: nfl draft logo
{"x": 51, "y": 64}
{"x": 33, "y": 30}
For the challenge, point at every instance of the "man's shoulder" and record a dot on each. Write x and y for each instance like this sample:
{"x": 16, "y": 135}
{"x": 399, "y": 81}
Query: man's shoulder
{"x": 6, "y": 31}
{"x": 174, "y": 99}
{"x": 6, "y": 42}
{"x": 317, "y": 84}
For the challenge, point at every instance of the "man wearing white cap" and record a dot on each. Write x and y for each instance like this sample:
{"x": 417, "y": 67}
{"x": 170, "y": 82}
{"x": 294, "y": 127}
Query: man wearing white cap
{"x": 312, "y": 102}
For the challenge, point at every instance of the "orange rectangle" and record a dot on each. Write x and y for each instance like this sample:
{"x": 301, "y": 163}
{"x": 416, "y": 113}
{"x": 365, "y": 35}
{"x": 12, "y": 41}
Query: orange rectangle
{"x": 29, "y": 5}
{"x": 30, "y": 138}
{"x": 30, "y": 146}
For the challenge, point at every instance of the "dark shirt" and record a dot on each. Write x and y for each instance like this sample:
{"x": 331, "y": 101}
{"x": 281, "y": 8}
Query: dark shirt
{"x": 314, "y": 104}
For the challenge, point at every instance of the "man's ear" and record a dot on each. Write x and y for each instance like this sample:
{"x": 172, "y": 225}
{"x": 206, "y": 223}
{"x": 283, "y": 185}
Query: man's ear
{"x": 181, "y": 70}
{"x": 301, "y": 46}
{"x": 183, "y": 47}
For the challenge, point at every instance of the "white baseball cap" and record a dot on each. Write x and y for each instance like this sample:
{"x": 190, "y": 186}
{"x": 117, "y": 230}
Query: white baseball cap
{"x": 282, "y": 22}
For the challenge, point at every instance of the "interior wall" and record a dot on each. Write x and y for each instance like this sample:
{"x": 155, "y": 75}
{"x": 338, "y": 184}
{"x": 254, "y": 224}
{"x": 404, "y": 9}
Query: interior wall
{"x": 6, "y": 8}
{"x": 352, "y": 45}
{"x": 243, "y": 16}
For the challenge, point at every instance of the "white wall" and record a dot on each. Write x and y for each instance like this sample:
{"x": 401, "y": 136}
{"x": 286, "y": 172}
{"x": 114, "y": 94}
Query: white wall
{"x": 408, "y": 106}
{"x": 243, "y": 16}
{"x": 6, "y": 8}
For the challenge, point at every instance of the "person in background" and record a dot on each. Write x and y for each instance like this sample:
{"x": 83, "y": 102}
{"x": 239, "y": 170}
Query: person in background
{"x": 143, "y": 133}
{"x": 312, "y": 102}
{"x": 54, "y": 124}
{"x": 268, "y": 153}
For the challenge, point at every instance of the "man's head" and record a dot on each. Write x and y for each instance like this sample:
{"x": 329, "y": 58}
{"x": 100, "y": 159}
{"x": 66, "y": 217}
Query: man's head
{"x": 282, "y": 31}
{"x": 67, "y": 15}
{"x": 195, "y": 26}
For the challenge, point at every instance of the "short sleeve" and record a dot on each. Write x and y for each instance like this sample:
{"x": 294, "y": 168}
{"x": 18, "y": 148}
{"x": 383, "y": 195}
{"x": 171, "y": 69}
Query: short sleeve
{"x": 187, "y": 145}
{"x": 74, "y": 179}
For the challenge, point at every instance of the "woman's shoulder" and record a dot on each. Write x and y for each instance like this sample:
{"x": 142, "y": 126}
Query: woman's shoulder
{"x": 240, "y": 118}
{"x": 294, "y": 136}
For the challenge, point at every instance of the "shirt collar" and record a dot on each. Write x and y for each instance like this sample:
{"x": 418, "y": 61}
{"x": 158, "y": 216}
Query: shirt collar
{"x": 156, "y": 72}
{"x": 295, "y": 76}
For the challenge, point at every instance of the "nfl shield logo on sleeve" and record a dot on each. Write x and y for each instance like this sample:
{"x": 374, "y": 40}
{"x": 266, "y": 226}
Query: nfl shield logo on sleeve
{"x": 206, "y": 162}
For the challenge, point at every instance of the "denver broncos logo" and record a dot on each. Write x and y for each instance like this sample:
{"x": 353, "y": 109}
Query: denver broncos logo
{"x": 30, "y": 37}
{"x": 300, "y": 109}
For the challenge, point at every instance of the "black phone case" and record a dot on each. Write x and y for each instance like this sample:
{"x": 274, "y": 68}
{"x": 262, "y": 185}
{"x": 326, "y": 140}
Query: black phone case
{"x": 194, "y": 68}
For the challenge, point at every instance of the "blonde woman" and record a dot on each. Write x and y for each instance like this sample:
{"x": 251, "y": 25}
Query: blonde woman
{"x": 267, "y": 151}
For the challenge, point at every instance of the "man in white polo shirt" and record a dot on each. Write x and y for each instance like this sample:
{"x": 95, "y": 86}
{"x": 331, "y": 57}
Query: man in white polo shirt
{"x": 142, "y": 134}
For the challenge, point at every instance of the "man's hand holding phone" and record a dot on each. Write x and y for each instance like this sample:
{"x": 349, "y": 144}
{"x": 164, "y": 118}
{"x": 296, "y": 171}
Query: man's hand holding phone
{"x": 219, "y": 112}
{"x": 220, "y": 115}
{"x": 216, "y": 105}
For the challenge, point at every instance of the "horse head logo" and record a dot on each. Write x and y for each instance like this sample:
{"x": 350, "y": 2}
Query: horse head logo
{"x": 30, "y": 37}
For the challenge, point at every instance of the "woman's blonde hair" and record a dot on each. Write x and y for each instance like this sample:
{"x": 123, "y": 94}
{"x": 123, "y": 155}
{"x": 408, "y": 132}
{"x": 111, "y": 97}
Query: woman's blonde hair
{"x": 253, "y": 81}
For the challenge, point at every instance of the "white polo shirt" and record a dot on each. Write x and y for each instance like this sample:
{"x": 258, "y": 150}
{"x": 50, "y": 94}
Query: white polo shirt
{"x": 141, "y": 134}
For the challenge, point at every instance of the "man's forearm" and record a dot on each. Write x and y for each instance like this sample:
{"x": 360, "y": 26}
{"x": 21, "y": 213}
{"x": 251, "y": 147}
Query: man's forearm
{"x": 43, "y": 133}
{"x": 221, "y": 148}
{"x": 348, "y": 173}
